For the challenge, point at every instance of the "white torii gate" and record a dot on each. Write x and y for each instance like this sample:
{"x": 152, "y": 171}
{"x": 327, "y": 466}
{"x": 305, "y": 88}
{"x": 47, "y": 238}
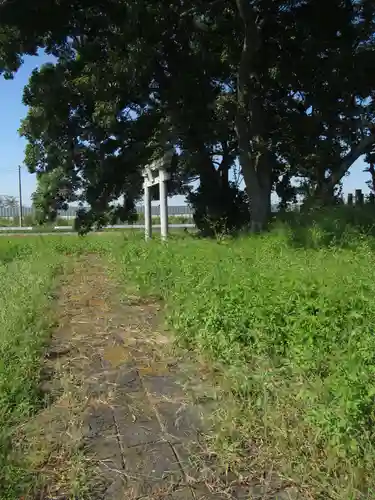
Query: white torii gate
{"x": 156, "y": 173}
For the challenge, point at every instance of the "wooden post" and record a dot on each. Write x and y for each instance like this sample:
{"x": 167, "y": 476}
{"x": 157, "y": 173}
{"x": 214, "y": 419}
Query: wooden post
{"x": 148, "y": 215}
{"x": 350, "y": 198}
{"x": 163, "y": 177}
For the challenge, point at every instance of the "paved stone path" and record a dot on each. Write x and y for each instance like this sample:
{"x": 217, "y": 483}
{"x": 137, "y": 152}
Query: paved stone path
{"x": 138, "y": 423}
{"x": 141, "y": 429}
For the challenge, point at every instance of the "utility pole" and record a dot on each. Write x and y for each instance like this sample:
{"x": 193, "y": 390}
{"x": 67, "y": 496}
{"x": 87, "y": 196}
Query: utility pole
{"x": 20, "y": 195}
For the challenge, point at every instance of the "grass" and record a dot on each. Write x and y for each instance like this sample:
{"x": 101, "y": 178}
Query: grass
{"x": 292, "y": 330}
{"x": 286, "y": 319}
{"x": 27, "y": 277}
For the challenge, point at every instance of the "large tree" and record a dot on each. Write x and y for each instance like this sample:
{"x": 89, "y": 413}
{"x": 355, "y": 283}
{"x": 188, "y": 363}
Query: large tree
{"x": 270, "y": 81}
{"x": 85, "y": 139}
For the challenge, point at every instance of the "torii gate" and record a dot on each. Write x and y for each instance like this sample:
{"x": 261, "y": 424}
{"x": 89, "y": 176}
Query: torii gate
{"x": 157, "y": 173}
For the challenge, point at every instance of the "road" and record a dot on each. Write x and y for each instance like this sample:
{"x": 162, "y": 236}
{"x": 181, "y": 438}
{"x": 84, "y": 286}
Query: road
{"x": 8, "y": 231}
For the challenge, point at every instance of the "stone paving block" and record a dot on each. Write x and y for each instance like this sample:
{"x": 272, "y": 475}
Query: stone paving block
{"x": 136, "y": 430}
{"x": 116, "y": 355}
{"x": 127, "y": 380}
{"x": 99, "y": 419}
{"x": 255, "y": 492}
{"x": 183, "y": 493}
{"x": 106, "y": 452}
{"x": 201, "y": 492}
{"x": 180, "y": 421}
{"x": 116, "y": 490}
{"x": 163, "y": 387}
{"x": 156, "y": 366}
{"x": 138, "y": 433}
{"x": 95, "y": 362}
{"x": 97, "y": 385}
{"x": 104, "y": 448}
{"x": 151, "y": 470}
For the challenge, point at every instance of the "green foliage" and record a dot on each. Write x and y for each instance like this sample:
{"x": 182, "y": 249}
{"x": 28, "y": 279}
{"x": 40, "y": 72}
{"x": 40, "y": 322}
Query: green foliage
{"x": 257, "y": 81}
{"x": 338, "y": 226}
{"x": 293, "y": 330}
{"x": 219, "y": 211}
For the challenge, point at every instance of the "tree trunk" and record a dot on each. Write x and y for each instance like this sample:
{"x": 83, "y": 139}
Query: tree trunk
{"x": 371, "y": 171}
{"x": 260, "y": 208}
{"x": 351, "y": 157}
{"x": 254, "y": 147}
{"x": 209, "y": 176}
{"x": 324, "y": 192}
{"x": 258, "y": 188}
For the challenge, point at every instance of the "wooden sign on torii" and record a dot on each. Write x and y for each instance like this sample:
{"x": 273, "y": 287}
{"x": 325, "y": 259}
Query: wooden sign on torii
{"x": 157, "y": 173}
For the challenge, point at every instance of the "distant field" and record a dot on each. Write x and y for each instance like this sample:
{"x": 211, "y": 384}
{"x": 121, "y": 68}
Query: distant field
{"x": 288, "y": 322}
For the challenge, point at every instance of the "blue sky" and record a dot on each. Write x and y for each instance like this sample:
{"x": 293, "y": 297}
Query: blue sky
{"x": 12, "y": 146}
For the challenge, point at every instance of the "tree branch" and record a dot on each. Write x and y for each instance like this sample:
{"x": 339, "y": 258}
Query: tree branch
{"x": 350, "y": 158}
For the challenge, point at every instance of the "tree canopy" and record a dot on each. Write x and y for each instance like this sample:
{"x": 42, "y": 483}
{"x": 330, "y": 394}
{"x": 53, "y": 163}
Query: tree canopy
{"x": 284, "y": 87}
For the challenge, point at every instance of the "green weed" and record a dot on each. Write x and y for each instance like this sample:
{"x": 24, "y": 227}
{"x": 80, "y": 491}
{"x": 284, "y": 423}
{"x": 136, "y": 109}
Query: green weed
{"x": 293, "y": 329}
{"x": 287, "y": 318}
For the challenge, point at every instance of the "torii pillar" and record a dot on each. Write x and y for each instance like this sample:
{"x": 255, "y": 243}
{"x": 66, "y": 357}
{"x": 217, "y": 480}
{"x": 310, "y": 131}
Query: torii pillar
{"x": 150, "y": 180}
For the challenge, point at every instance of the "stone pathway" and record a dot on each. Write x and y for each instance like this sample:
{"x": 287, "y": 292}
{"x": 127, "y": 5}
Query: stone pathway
{"x": 138, "y": 423}
{"x": 141, "y": 424}
{"x": 141, "y": 431}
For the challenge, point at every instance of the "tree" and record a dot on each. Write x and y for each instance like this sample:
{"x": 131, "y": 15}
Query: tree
{"x": 88, "y": 139}
{"x": 269, "y": 81}
{"x": 8, "y": 201}
{"x": 58, "y": 95}
{"x": 323, "y": 113}
{"x": 335, "y": 96}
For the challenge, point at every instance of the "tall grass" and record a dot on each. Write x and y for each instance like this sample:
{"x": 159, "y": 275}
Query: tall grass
{"x": 293, "y": 330}
{"x": 29, "y": 270}
{"x": 27, "y": 274}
